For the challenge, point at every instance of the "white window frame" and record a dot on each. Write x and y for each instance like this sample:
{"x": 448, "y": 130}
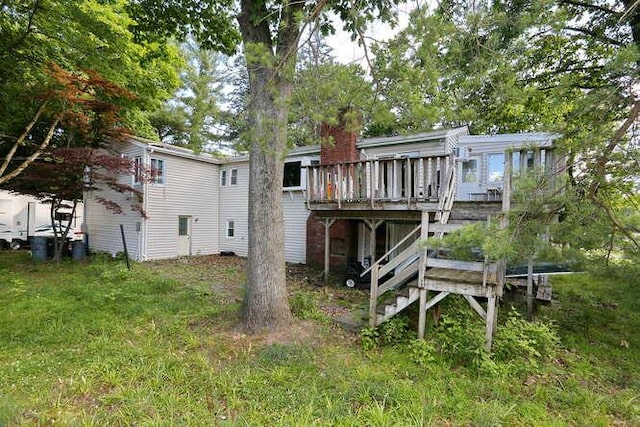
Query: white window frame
{"x": 137, "y": 170}
{"x": 300, "y": 177}
{"x": 158, "y": 171}
{"x": 223, "y": 178}
{"x": 233, "y": 177}
{"x": 231, "y": 229}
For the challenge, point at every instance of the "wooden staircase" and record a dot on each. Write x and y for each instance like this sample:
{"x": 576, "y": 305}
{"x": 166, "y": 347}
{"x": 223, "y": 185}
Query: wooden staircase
{"x": 416, "y": 274}
{"x": 402, "y": 299}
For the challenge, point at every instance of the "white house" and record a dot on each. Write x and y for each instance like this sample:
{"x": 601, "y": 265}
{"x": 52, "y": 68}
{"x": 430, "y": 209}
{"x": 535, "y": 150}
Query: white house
{"x": 197, "y": 204}
{"x": 194, "y": 204}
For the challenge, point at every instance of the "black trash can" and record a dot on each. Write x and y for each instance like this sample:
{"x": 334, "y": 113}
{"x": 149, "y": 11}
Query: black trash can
{"x": 39, "y": 248}
{"x": 78, "y": 250}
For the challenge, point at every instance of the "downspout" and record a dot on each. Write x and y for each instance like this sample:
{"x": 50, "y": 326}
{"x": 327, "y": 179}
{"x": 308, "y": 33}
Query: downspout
{"x": 144, "y": 235}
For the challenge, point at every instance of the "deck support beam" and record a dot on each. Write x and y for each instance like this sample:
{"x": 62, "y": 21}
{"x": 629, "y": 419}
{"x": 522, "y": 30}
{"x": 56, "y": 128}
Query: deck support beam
{"x": 373, "y": 226}
{"x": 530, "y": 287}
{"x": 492, "y": 317}
{"x": 327, "y": 249}
{"x": 422, "y": 309}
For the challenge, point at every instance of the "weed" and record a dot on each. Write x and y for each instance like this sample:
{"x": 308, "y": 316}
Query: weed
{"x": 391, "y": 333}
{"x": 304, "y": 305}
{"x": 528, "y": 342}
{"x": 422, "y": 352}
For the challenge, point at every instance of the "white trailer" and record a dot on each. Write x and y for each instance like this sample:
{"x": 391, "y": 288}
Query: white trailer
{"x": 20, "y": 215}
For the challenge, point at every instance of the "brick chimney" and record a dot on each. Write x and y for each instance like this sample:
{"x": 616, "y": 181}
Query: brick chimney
{"x": 339, "y": 142}
{"x": 338, "y": 145}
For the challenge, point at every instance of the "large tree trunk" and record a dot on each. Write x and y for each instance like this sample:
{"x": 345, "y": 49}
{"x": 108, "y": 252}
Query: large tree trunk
{"x": 265, "y": 303}
{"x": 270, "y": 60}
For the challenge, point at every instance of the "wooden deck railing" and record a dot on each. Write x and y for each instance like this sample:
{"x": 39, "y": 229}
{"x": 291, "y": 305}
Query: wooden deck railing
{"x": 410, "y": 179}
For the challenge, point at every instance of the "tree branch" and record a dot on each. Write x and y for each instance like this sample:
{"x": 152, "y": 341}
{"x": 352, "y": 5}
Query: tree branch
{"x": 616, "y": 223}
{"x": 594, "y": 34}
{"x": 32, "y": 14}
{"x": 22, "y": 137}
{"x": 600, "y": 167}
{"x": 35, "y": 154}
{"x": 590, "y": 6}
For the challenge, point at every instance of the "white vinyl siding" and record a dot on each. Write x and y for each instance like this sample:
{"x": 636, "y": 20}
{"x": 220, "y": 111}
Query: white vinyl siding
{"x": 234, "y": 206}
{"x": 103, "y": 225}
{"x": 189, "y": 192}
{"x": 295, "y": 226}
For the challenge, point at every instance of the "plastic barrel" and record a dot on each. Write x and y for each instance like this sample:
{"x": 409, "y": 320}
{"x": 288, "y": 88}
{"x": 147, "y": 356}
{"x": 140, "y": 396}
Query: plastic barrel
{"x": 39, "y": 248}
{"x": 78, "y": 252}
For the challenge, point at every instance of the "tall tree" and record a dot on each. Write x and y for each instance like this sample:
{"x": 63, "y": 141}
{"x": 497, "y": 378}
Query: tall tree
{"x": 193, "y": 118}
{"x": 270, "y": 33}
{"x": 564, "y": 66}
{"x": 79, "y": 36}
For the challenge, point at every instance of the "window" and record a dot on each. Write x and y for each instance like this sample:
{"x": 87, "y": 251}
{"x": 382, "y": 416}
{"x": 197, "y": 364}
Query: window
{"x": 230, "y": 229}
{"x": 223, "y": 178}
{"x": 183, "y": 226}
{"x": 137, "y": 170}
{"x": 234, "y": 177}
{"x": 292, "y": 174}
{"x": 495, "y": 167}
{"x": 470, "y": 171}
{"x": 157, "y": 171}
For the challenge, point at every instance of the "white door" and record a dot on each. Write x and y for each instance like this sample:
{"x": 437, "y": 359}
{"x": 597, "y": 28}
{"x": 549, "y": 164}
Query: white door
{"x": 184, "y": 235}
{"x": 470, "y": 188}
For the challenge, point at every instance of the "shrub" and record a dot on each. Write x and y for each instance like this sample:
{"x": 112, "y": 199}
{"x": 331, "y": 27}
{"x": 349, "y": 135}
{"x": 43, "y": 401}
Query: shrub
{"x": 304, "y": 305}
{"x": 422, "y": 352}
{"x": 524, "y": 340}
{"x": 460, "y": 338}
{"x": 389, "y": 334}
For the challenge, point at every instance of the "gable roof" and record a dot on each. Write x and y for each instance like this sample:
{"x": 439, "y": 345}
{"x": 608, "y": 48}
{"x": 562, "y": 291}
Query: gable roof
{"x": 172, "y": 150}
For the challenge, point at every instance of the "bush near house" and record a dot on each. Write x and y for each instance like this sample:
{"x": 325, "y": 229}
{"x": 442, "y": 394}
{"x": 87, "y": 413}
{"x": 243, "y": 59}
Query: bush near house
{"x": 96, "y": 344}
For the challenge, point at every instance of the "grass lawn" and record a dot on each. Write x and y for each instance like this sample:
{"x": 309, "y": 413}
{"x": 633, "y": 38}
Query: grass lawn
{"x": 95, "y": 344}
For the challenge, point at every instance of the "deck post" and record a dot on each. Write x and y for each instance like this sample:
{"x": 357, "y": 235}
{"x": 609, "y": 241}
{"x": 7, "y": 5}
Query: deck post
{"x": 373, "y": 297}
{"x": 422, "y": 309}
{"x": 530, "y": 287}
{"x": 492, "y": 314}
{"x": 327, "y": 250}
{"x": 373, "y": 226}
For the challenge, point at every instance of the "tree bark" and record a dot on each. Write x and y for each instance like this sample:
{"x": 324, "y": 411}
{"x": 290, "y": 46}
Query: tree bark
{"x": 265, "y": 303}
{"x": 270, "y": 60}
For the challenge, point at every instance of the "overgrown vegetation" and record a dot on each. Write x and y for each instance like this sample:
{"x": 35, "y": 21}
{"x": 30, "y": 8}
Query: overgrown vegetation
{"x": 96, "y": 344}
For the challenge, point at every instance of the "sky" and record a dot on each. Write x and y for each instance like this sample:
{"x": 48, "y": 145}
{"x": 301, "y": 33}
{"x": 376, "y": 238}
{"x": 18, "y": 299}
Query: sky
{"x": 347, "y": 51}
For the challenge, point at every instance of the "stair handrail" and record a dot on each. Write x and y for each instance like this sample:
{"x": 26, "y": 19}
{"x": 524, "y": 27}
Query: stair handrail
{"x": 402, "y": 257}
{"x": 383, "y": 257}
{"x": 446, "y": 201}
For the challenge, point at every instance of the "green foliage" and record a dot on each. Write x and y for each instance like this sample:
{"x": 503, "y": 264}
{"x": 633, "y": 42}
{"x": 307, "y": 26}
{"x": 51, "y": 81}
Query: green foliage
{"x": 391, "y": 333}
{"x": 78, "y": 36}
{"x": 460, "y": 338}
{"x": 422, "y": 352}
{"x": 522, "y": 341}
{"x": 466, "y": 243}
{"x": 304, "y": 305}
{"x": 369, "y": 338}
